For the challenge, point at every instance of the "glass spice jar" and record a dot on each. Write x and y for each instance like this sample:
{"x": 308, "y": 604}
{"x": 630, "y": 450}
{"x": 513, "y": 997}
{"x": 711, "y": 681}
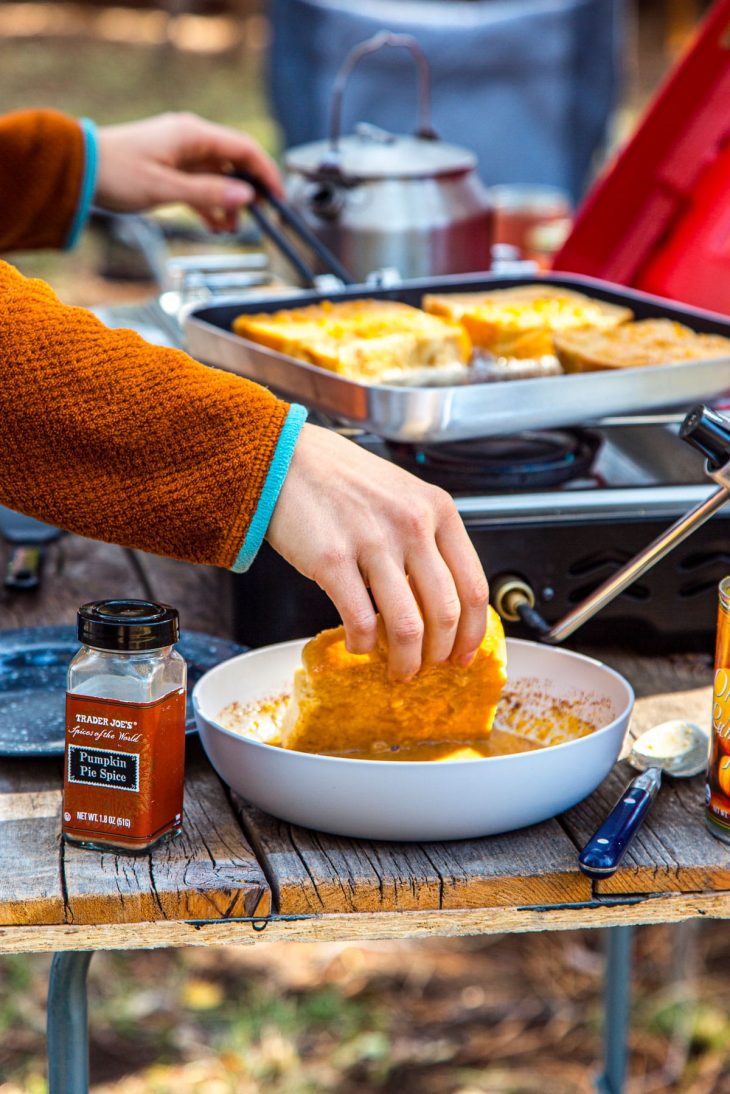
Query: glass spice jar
{"x": 718, "y": 772}
{"x": 125, "y": 727}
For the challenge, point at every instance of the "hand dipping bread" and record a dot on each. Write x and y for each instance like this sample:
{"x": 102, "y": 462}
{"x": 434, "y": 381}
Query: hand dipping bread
{"x": 340, "y": 698}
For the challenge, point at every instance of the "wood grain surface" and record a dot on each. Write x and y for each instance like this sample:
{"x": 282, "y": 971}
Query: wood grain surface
{"x": 673, "y": 850}
{"x": 210, "y": 871}
{"x": 234, "y": 863}
{"x": 314, "y": 873}
{"x": 364, "y": 927}
{"x": 31, "y": 881}
{"x": 75, "y": 570}
{"x": 78, "y": 569}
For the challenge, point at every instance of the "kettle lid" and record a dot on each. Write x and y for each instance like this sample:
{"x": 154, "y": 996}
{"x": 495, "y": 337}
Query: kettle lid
{"x": 373, "y": 153}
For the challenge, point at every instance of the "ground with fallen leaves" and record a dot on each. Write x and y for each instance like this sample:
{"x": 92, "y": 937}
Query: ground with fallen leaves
{"x": 498, "y": 1015}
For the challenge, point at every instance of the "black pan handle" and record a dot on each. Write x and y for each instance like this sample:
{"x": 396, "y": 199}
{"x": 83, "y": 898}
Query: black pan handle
{"x": 26, "y": 539}
{"x": 298, "y": 226}
{"x": 268, "y": 228}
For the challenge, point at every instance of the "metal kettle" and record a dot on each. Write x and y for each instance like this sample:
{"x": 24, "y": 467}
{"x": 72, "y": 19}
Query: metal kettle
{"x": 380, "y": 200}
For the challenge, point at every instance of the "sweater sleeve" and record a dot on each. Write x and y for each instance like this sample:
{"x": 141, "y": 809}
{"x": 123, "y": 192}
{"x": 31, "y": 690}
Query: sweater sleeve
{"x": 108, "y": 436}
{"x": 43, "y": 166}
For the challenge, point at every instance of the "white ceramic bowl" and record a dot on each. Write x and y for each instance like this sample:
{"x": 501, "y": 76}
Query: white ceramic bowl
{"x": 405, "y": 800}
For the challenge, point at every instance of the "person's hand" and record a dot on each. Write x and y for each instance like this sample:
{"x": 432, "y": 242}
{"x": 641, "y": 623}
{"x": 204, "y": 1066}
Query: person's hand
{"x": 352, "y": 522}
{"x": 180, "y": 157}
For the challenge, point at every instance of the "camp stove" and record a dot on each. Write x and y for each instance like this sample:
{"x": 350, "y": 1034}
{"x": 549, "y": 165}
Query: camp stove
{"x": 554, "y": 516}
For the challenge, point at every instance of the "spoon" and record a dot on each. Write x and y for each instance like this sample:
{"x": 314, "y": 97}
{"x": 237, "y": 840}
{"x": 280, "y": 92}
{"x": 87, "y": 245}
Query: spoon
{"x": 678, "y": 748}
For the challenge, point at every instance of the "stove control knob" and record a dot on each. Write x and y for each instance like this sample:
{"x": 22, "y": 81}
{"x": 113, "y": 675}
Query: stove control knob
{"x": 513, "y": 598}
{"x": 509, "y": 593}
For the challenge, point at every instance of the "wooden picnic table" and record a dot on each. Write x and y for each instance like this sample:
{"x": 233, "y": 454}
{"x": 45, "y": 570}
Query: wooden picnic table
{"x": 239, "y": 876}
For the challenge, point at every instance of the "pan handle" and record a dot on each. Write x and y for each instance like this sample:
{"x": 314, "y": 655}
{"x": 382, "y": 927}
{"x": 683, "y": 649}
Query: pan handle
{"x": 300, "y": 229}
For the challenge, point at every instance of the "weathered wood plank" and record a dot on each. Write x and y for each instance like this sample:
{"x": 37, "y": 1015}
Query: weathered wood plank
{"x": 673, "y": 850}
{"x": 78, "y": 570}
{"x": 364, "y": 927}
{"x": 31, "y": 876}
{"x": 314, "y": 873}
{"x": 655, "y": 676}
{"x": 31, "y": 889}
{"x": 208, "y": 872}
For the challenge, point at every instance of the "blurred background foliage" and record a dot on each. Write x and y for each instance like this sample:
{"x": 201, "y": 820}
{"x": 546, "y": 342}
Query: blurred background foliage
{"x": 513, "y": 1014}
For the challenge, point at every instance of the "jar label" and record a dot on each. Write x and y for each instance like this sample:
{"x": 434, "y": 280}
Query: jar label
{"x": 718, "y": 772}
{"x": 124, "y": 769}
{"x": 102, "y": 767}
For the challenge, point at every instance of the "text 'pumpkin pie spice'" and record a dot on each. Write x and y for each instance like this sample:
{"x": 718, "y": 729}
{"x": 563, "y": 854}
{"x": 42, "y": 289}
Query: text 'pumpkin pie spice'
{"x": 125, "y": 728}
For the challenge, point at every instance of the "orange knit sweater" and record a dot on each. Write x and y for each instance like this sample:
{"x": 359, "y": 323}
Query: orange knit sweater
{"x": 100, "y": 432}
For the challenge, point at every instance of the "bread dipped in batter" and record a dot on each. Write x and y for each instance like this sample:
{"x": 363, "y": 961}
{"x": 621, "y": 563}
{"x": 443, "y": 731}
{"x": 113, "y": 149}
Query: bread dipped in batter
{"x": 345, "y": 702}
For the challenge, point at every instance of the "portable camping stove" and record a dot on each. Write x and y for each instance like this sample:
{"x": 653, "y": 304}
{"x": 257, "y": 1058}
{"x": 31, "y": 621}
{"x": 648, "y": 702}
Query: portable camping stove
{"x": 555, "y": 513}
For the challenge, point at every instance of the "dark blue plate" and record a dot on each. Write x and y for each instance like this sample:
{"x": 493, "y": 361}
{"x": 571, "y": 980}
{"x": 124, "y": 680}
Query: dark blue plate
{"x": 33, "y": 665}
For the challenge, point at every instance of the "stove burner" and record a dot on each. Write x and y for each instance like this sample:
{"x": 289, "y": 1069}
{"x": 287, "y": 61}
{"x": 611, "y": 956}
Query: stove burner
{"x": 524, "y": 461}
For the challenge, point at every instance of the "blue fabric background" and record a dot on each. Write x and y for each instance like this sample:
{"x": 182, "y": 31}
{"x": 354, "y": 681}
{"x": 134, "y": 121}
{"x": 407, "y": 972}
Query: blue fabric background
{"x": 529, "y": 85}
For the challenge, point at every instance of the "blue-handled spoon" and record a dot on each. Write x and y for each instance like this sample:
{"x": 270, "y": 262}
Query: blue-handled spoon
{"x": 678, "y": 748}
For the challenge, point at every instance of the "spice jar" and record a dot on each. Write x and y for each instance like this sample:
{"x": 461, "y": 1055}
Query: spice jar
{"x": 718, "y": 772}
{"x": 125, "y": 727}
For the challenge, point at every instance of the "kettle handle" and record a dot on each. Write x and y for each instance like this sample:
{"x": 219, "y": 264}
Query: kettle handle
{"x": 372, "y": 45}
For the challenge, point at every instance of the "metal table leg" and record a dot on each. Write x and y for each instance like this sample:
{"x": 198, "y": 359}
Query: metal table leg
{"x": 617, "y": 1005}
{"x": 68, "y": 1030}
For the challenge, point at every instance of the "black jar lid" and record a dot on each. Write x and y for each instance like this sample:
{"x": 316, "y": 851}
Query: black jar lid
{"x": 128, "y": 626}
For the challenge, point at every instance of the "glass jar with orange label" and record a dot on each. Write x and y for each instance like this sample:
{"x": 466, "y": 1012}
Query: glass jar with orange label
{"x": 125, "y": 727}
{"x": 718, "y": 772}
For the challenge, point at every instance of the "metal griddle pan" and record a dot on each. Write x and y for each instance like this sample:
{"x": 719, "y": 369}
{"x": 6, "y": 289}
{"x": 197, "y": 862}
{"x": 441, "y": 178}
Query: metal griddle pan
{"x": 420, "y": 414}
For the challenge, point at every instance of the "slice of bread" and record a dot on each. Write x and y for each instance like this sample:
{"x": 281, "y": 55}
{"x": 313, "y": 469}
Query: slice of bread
{"x": 367, "y": 340}
{"x": 520, "y": 322}
{"x": 634, "y": 345}
{"x": 345, "y": 702}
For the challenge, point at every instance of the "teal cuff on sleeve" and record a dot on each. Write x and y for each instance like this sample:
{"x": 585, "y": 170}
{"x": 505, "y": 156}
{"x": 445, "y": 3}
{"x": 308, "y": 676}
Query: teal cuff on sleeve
{"x": 295, "y": 419}
{"x": 88, "y": 183}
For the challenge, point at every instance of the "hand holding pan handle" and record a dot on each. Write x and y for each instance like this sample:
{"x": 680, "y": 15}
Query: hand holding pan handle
{"x": 709, "y": 433}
